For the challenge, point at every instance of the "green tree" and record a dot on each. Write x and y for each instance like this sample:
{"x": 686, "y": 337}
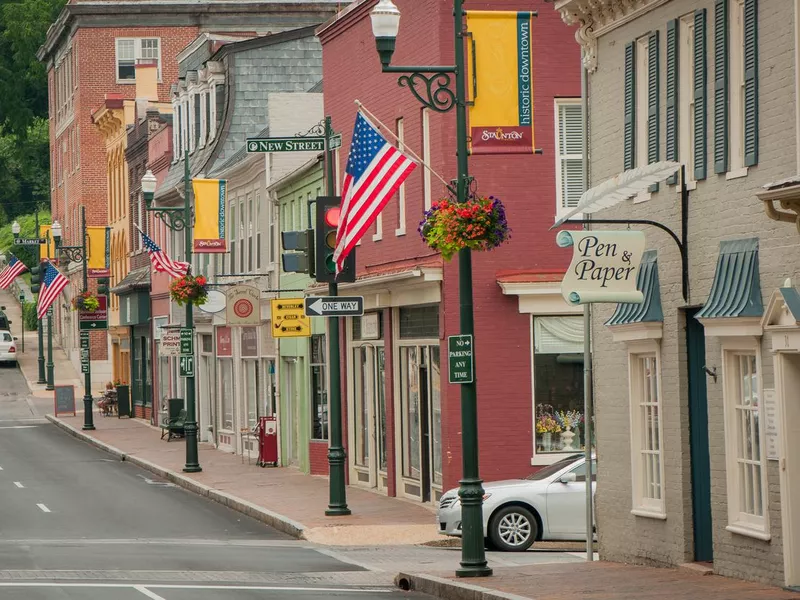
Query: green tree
{"x": 27, "y": 223}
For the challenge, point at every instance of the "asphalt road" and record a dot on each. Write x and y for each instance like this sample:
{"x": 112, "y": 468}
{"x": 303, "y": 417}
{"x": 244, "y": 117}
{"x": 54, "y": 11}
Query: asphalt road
{"x": 76, "y": 524}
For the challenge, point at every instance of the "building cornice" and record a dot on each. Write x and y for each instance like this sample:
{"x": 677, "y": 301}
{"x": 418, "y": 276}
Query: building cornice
{"x": 597, "y": 17}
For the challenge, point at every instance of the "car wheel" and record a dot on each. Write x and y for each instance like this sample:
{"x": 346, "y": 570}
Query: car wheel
{"x": 513, "y": 529}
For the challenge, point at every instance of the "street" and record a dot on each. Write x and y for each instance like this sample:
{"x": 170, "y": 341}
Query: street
{"x": 76, "y": 524}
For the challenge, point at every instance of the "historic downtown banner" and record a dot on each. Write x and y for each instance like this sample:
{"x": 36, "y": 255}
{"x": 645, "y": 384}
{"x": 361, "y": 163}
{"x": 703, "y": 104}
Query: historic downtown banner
{"x": 99, "y": 251}
{"x": 500, "y": 82}
{"x": 604, "y": 266}
{"x": 210, "y": 197}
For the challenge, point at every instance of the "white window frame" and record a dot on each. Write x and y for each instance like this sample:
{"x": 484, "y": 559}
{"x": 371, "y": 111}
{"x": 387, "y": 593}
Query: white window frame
{"x": 642, "y": 477}
{"x": 401, "y": 194}
{"x": 203, "y": 95}
{"x": 184, "y": 124}
{"x": 686, "y": 98}
{"x": 642, "y": 81}
{"x": 740, "y": 521}
{"x": 137, "y": 56}
{"x": 736, "y": 167}
{"x": 176, "y": 138}
{"x": 426, "y": 157}
{"x": 190, "y": 102}
{"x": 561, "y": 158}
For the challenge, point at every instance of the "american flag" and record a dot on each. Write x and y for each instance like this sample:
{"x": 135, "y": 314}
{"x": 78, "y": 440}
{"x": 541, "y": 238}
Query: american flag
{"x": 161, "y": 262}
{"x": 375, "y": 171}
{"x": 52, "y": 285}
{"x": 13, "y": 270}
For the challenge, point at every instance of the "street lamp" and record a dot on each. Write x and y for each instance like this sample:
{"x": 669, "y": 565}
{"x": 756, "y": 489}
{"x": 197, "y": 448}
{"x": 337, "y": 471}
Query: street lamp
{"x": 78, "y": 254}
{"x": 431, "y": 86}
{"x": 180, "y": 219}
{"x": 15, "y": 229}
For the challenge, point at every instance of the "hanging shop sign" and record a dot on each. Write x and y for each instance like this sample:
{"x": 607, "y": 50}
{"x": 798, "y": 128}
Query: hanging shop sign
{"x": 243, "y": 305}
{"x": 501, "y": 69}
{"x": 224, "y": 342}
{"x": 210, "y": 197}
{"x": 604, "y": 266}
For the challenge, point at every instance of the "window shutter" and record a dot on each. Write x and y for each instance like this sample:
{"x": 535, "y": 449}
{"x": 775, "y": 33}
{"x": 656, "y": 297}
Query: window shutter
{"x": 570, "y": 150}
{"x": 630, "y": 106}
{"x": 700, "y": 133}
{"x": 720, "y": 86}
{"x": 652, "y": 102}
{"x": 671, "y": 133}
{"x": 750, "y": 83}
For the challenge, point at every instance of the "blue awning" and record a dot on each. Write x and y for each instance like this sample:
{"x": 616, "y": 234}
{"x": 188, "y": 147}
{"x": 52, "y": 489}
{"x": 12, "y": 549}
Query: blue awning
{"x": 648, "y": 311}
{"x": 736, "y": 291}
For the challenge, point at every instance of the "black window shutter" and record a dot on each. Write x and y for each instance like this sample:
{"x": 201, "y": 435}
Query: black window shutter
{"x": 750, "y": 83}
{"x": 630, "y": 107}
{"x": 652, "y": 101}
{"x": 720, "y": 86}
{"x": 700, "y": 75}
{"x": 671, "y": 134}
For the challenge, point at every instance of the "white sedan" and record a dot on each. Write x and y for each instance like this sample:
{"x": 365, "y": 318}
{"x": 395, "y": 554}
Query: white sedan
{"x": 548, "y": 505}
{"x": 8, "y": 348}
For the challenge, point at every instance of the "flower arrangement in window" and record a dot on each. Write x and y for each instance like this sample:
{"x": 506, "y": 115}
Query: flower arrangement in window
{"x": 189, "y": 289}
{"x": 547, "y": 424}
{"x": 85, "y": 301}
{"x": 478, "y": 224}
{"x": 569, "y": 419}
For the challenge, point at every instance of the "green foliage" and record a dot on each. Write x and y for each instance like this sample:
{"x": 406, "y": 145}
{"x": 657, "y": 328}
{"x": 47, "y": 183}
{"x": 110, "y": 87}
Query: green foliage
{"x": 29, "y": 317}
{"x": 24, "y": 170}
{"x": 27, "y": 254}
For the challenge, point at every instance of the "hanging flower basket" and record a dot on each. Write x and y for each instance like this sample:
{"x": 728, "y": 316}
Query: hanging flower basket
{"x": 478, "y": 224}
{"x": 86, "y": 302}
{"x": 189, "y": 289}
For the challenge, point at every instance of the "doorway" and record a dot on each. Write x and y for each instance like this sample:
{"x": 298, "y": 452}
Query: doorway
{"x": 698, "y": 428}
{"x": 788, "y": 379}
{"x": 288, "y": 417}
{"x": 369, "y": 416}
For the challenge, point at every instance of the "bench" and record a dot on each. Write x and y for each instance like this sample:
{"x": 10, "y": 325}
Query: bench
{"x": 174, "y": 427}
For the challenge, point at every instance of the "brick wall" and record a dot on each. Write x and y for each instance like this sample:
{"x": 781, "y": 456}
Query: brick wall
{"x": 720, "y": 209}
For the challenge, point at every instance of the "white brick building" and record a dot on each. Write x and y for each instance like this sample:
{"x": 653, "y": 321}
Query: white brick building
{"x": 705, "y": 407}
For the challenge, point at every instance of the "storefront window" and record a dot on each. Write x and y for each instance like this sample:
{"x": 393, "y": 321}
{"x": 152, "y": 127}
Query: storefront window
{"x": 410, "y": 367}
{"x": 251, "y": 391}
{"x": 362, "y": 398}
{"x": 226, "y": 392}
{"x": 319, "y": 389}
{"x": 558, "y": 383}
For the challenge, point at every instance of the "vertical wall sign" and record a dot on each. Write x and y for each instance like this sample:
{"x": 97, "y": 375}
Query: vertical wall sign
{"x": 210, "y": 197}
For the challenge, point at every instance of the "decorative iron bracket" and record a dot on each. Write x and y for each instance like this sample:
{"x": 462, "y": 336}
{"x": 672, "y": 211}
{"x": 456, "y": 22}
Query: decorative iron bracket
{"x": 173, "y": 218}
{"x": 72, "y": 253}
{"x": 435, "y": 92}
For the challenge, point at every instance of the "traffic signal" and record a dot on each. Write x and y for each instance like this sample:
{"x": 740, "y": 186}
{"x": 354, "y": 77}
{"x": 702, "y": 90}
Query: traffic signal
{"x": 300, "y": 258}
{"x": 102, "y": 286}
{"x": 328, "y": 212}
{"x": 36, "y": 277}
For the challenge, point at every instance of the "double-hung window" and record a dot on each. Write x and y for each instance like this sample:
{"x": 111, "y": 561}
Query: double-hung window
{"x": 129, "y": 50}
{"x": 319, "y": 389}
{"x": 569, "y": 147}
{"x": 686, "y": 95}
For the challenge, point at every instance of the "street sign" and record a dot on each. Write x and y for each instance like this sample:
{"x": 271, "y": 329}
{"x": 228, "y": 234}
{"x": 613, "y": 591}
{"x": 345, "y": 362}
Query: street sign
{"x": 29, "y": 241}
{"x": 461, "y": 359}
{"x": 335, "y": 306}
{"x": 187, "y": 341}
{"x": 335, "y": 141}
{"x": 97, "y": 320}
{"x": 187, "y": 366}
{"x": 288, "y": 318}
{"x": 84, "y": 340}
{"x": 286, "y": 144}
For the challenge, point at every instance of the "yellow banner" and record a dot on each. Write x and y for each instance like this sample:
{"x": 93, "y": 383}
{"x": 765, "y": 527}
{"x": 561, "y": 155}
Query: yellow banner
{"x": 44, "y": 232}
{"x": 209, "y": 215}
{"x": 99, "y": 249}
{"x": 501, "y": 118}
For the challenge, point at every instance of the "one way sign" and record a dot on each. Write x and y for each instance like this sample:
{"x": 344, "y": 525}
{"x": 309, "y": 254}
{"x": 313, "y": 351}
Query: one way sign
{"x": 335, "y": 306}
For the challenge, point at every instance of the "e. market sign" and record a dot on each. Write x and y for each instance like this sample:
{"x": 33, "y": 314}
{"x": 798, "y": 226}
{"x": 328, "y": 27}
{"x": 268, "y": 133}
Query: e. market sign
{"x": 604, "y": 267}
{"x": 291, "y": 144}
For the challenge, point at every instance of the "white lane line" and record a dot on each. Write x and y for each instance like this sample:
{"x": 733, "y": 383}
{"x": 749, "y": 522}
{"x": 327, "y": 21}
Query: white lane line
{"x": 19, "y": 427}
{"x": 1, "y": 468}
{"x": 43, "y": 507}
{"x": 18, "y": 484}
{"x": 148, "y": 593}
{"x": 258, "y": 588}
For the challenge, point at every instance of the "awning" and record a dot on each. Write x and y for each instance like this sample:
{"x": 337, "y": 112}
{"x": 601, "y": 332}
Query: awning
{"x": 136, "y": 280}
{"x": 736, "y": 291}
{"x": 650, "y": 310}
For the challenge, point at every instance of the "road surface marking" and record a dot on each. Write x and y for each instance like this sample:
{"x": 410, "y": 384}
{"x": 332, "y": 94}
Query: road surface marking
{"x": 257, "y": 588}
{"x": 19, "y": 427}
{"x": 148, "y": 593}
{"x": 18, "y": 484}
{"x": 1, "y": 468}
{"x": 43, "y": 507}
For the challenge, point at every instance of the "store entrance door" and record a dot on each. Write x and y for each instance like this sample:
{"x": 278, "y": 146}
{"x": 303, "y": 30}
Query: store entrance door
{"x": 369, "y": 416}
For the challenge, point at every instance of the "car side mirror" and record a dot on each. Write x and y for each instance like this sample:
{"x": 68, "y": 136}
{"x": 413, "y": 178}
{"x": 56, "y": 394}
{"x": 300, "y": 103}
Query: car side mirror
{"x": 15, "y": 338}
{"x": 568, "y": 478}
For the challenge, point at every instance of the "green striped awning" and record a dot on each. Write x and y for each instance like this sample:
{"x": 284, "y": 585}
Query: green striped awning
{"x": 648, "y": 311}
{"x": 736, "y": 291}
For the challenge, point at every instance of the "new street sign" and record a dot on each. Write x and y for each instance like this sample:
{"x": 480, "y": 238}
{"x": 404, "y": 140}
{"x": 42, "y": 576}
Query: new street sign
{"x": 461, "y": 359}
{"x": 286, "y": 144}
{"x": 335, "y": 141}
{"x": 335, "y": 306}
{"x": 29, "y": 241}
{"x": 97, "y": 320}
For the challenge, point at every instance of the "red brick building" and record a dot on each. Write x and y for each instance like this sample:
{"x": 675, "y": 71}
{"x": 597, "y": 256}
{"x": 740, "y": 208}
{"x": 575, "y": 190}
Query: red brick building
{"x": 403, "y": 419}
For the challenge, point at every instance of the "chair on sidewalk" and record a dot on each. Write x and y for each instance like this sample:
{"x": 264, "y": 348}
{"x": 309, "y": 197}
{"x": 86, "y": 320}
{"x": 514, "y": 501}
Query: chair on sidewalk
{"x": 175, "y": 426}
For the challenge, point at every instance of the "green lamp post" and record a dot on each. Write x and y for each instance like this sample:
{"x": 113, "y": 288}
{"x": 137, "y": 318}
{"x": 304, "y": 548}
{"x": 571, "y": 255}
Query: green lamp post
{"x": 78, "y": 254}
{"x": 180, "y": 219}
{"x": 431, "y": 86}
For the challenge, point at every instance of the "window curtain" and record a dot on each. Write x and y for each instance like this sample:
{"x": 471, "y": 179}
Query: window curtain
{"x": 558, "y": 335}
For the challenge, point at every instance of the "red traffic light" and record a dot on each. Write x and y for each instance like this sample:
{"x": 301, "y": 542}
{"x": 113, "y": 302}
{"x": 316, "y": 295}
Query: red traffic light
{"x": 332, "y": 216}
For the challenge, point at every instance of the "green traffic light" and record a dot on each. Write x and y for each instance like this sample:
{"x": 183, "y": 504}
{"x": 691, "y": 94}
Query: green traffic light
{"x": 330, "y": 264}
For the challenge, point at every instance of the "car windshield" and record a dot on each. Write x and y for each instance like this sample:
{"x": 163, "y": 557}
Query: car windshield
{"x": 554, "y": 468}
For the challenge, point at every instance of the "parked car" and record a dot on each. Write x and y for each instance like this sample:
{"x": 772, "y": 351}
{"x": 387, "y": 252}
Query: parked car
{"x": 8, "y": 348}
{"x": 548, "y": 505}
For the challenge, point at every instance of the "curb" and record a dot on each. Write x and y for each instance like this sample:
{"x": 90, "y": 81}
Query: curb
{"x": 447, "y": 589}
{"x": 259, "y": 513}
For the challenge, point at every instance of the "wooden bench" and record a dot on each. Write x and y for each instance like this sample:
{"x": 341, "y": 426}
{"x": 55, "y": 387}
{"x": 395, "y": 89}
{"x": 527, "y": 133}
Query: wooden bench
{"x": 174, "y": 427}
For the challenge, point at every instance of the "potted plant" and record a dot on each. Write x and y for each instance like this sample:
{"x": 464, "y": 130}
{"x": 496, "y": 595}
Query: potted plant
{"x": 546, "y": 425}
{"x": 85, "y": 301}
{"x": 478, "y": 224}
{"x": 189, "y": 289}
{"x": 568, "y": 420}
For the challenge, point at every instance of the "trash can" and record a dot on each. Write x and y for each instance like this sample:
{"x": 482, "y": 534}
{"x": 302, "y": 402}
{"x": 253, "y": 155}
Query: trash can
{"x": 123, "y": 401}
